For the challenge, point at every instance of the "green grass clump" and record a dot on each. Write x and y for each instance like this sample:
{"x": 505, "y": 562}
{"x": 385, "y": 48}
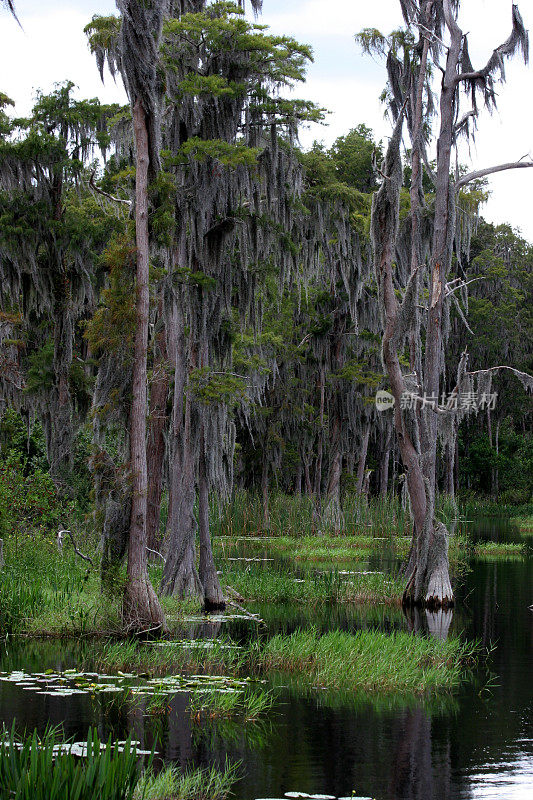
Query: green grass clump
{"x": 199, "y": 784}
{"x": 248, "y": 704}
{"x": 368, "y": 660}
{"x": 524, "y": 524}
{"x": 500, "y": 551}
{"x": 162, "y": 660}
{"x": 262, "y": 585}
{"x": 39, "y": 769}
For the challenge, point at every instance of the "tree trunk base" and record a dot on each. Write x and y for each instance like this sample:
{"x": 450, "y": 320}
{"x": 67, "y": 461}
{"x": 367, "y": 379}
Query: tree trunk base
{"x": 141, "y": 611}
{"x": 184, "y": 583}
{"x": 214, "y": 599}
{"x": 180, "y": 577}
{"x": 431, "y": 603}
{"x": 428, "y": 584}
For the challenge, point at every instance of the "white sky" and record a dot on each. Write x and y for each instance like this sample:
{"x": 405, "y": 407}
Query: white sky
{"x": 52, "y": 47}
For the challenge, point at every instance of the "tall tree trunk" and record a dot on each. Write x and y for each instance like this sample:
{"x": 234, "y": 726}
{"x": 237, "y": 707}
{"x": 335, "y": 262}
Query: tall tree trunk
{"x": 213, "y": 594}
{"x": 155, "y": 452}
{"x": 384, "y": 468}
{"x": 449, "y": 470}
{"x": 60, "y": 446}
{"x": 361, "y": 465}
{"x": 428, "y": 556}
{"x": 141, "y": 609}
{"x": 429, "y": 581}
{"x": 320, "y": 447}
{"x": 264, "y": 491}
{"x": 496, "y": 475}
{"x": 180, "y": 576}
{"x": 307, "y": 476}
{"x": 298, "y": 479}
{"x": 332, "y": 518}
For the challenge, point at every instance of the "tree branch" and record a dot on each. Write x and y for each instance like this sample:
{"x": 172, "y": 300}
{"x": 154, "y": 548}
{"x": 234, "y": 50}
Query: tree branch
{"x": 95, "y": 188}
{"x": 481, "y": 173}
{"x": 80, "y": 554}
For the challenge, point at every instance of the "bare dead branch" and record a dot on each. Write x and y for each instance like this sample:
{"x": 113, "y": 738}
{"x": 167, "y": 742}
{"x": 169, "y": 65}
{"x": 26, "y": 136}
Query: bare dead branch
{"x": 157, "y": 553}
{"x": 97, "y": 189}
{"x": 78, "y": 552}
{"x": 451, "y": 289}
{"x": 482, "y": 173}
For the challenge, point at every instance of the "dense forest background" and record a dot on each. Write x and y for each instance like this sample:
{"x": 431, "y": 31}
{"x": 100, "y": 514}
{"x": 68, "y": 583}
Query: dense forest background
{"x": 264, "y": 328}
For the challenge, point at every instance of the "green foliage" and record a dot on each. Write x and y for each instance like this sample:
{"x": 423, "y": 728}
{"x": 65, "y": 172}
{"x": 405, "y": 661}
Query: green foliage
{"x": 256, "y": 61}
{"x": 113, "y": 324}
{"x": 208, "y": 783}
{"x": 369, "y": 660}
{"x": 210, "y": 387}
{"x": 43, "y": 768}
{"x": 225, "y": 153}
{"x": 354, "y": 156}
{"x": 19, "y": 441}
{"x": 40, "y": 374}
{"x": 27, "y": 500}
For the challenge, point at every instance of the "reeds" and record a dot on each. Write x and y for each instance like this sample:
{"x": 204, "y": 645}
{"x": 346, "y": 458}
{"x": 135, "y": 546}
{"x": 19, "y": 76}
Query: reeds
{"x": 368, "y": 660}
{"x": 40, "y": 768}
{"x": 254, "y": 583}
{"x": 291, "y": 515}
{"x": 208, "y": 783}
{"x": 248, "y": 704}
{"x": 156, "y": 660}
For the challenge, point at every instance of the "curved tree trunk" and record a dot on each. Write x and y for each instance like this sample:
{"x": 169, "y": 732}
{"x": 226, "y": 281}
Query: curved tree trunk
{"x": 141, "y": 609}
{"x": 427, "y": 567}
{"x": 384, "y": 467}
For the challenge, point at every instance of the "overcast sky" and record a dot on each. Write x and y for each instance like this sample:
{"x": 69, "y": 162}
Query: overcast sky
{"x": 52, "y": 47}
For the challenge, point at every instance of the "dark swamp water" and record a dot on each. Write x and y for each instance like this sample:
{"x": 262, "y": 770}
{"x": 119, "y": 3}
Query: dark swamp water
{"x": 477, "y": 743}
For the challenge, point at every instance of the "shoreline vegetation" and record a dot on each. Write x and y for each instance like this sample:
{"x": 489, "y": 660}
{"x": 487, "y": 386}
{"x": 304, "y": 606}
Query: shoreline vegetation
{"x": 337, "y": 659}
{"x": 47, "y": 767}
{"x": 51, "y": 592}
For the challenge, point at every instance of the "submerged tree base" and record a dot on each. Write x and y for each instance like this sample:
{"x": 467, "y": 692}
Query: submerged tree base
{"x": 432, "y": 603}
{"x": 141, "y": 611}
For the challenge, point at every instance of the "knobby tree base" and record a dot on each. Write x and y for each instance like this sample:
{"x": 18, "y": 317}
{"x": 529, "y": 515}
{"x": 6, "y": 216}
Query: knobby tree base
{"x": 180, "y": 577}
{"x": 141, "y": 610}
{"x": 428, "y": 583}
{"x": 214, "y": 599}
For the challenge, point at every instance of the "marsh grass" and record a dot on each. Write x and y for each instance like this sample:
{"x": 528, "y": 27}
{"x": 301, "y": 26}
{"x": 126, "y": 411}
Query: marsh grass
{"x": 292, "y": 515}
{"x": 208, "y": 783}
{"x": 500, "y": 551}
{"x": 159, "y": 661}
{"x": 368, "y": 660}
{"x": 261, "y": 585}
{"x": 248, "y": 704}
{"x": 40, "y": 768}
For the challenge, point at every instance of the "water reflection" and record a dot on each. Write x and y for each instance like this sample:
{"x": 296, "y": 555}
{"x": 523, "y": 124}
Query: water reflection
{"x": 477, "y": 743}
